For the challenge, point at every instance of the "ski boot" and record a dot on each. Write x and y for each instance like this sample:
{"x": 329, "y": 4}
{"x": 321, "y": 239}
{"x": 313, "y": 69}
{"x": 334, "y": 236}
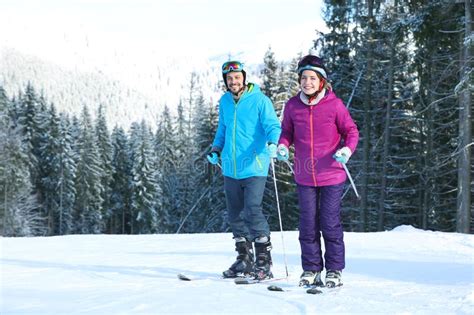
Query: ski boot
{"x": 263, "y": 258}
{"x": 311, "y": 278}
{"x": 333, "y": 278}
{"x": 244, "y": 264}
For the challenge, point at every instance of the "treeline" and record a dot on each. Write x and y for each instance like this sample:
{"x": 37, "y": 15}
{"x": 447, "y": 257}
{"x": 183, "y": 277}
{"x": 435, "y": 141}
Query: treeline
{"x": 63, "y": 174}
{"x": 403, "y": 68}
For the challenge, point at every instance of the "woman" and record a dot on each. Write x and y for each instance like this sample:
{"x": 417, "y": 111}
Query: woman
{"x": 324, "y": 135}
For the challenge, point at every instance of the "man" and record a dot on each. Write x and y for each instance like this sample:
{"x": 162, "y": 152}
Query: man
{"x": 245, "y": 140}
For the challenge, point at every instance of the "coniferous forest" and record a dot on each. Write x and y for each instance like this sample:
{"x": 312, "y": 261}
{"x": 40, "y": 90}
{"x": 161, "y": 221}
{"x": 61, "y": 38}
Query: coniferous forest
{"x": 403, "y": 68}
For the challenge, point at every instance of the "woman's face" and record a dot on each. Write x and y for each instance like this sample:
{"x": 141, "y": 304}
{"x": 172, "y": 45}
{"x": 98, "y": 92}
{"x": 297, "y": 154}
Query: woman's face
{"x": 309, "y": 82}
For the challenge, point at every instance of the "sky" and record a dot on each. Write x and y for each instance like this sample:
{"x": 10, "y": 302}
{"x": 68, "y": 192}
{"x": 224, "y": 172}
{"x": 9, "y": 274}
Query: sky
{"x": 94, "y": 32}
{"x": 403, "y": 271}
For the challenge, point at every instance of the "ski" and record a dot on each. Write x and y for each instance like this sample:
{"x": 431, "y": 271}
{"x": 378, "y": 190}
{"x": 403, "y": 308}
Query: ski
{"x": 314, "y": 290}
{"x": 247, "y": 280}
{"x": 184, "y": 277}
{"x": 241, "y": 280}
{"x": 275, "y": 288}
{"x": 326, "y": 288}
{"x": 309, "y": 290}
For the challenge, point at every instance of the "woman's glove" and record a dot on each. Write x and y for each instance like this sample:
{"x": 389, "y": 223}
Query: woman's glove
{"x": 283, "y": 153}
{"x": 342, "y": 155}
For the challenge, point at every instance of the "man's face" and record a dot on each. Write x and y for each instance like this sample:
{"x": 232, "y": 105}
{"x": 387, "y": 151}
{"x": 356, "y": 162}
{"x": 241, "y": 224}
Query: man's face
{"x": 235, "y": 81}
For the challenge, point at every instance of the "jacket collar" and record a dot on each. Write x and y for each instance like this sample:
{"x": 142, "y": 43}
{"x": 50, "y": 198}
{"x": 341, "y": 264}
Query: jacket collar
{"x": 314, "y": 100}
{"x": 249, "y": 89}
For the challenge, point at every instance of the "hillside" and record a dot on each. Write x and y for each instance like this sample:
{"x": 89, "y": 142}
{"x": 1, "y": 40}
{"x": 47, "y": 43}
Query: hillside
{"x": 129, "y": 92}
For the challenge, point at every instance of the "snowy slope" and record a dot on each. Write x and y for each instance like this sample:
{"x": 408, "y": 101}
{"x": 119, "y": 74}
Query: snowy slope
{"x": 404, "y": 271}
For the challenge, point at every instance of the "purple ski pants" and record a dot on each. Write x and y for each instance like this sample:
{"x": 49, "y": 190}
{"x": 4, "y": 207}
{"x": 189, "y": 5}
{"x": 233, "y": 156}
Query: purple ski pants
{"x": 320, "y": 213}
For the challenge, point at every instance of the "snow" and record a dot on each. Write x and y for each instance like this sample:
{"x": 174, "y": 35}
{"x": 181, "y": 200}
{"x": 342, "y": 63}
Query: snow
{"x": 403, "y": 271}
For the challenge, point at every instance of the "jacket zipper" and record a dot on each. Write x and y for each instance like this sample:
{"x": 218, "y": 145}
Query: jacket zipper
{"x": 258, "y": 161}
{"x": 235, "y": 129}
{"x": 313, "y": 171}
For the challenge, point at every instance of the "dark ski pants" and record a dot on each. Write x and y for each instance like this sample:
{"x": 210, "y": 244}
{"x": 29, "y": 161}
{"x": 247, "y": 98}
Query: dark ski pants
{"x": 244, "y": 207}
{"x": 320, "y": 212}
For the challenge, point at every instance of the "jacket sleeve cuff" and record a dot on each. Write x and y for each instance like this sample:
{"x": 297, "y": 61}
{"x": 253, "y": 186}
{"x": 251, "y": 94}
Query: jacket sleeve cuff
{"x": 285, "y": 142}
{"x": 217, "y": 150}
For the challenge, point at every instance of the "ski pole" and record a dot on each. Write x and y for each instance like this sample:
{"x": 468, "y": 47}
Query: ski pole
{"x": 279, "y": 216}
{"x": 291, "y": 168}
{"x": 350, "y": 179}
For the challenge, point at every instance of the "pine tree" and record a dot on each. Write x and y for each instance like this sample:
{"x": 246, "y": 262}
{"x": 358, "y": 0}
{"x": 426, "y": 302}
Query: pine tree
{"x": 50, "y": 170}
{"x": 167, "y": 170}
{"x": 18, "y": 215}
{"x": 104, "y": 146}
{"x": 41, "y": 134}
{"x": 188, "y": 173}
{"x": 121, "y": 182}
{"x": 29, "y": 124}
{"x": 88, "y": 204}
{"x": 57, "y": 171}
{"x": 270, "y": 74}
{"x": 205, "y": 214}
{"x": 144, "y": 189}
{"x": 67, "y": 173}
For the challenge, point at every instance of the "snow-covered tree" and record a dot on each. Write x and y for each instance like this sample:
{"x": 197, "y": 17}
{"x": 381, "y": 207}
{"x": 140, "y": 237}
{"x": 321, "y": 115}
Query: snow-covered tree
{"x": 29, "y": 122}
{"x": 167, "y": 172}
{"x": 120, "y": 219}
{"x": 270, "y": 75}
{"x": 66, "y": 190}
{"x": 18, "y": 215}
{"x": 88, "y": 203}
{"x": 144, "y": 189}
{"x": 104, "y": 147}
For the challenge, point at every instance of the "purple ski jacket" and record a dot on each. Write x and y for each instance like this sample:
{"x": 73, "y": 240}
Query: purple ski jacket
{"x": 316, "y": 132}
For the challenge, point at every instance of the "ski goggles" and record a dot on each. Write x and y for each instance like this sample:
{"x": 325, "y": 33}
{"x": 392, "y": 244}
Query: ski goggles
{"x": 314, "y": 63}
{"x": 232, "y": 66}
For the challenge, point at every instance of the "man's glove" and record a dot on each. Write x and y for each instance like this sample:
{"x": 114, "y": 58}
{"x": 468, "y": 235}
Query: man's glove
{"x": 213, "y": 157}
{"x": 342, "y": 155}
{"x": 272, "y": 150}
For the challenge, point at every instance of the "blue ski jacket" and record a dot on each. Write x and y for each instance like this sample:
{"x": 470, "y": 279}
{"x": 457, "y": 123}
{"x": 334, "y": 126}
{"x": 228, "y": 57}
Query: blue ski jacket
{"x": 245, "y": 127}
